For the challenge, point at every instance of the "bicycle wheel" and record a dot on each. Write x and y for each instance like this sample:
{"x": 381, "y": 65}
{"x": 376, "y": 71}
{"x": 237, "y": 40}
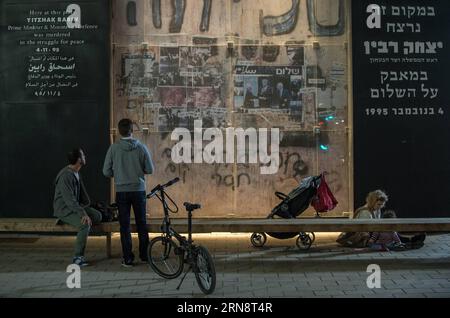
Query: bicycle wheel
{"x": 205, "y": 272}
{"x": 165, "y": 257}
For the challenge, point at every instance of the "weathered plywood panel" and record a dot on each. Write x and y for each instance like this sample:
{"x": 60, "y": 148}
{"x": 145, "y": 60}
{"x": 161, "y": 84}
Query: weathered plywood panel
{"x": 254, "y": 67}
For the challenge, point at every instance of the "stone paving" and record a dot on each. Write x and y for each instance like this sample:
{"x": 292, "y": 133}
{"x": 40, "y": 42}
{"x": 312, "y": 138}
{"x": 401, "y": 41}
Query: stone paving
{"x": 36, "y": 267}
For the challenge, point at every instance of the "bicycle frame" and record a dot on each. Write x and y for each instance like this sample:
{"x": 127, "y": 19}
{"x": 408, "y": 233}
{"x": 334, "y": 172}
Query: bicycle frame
{"x": 166, "y": 228}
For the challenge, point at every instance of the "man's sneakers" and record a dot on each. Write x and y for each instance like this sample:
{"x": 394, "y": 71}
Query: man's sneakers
{"x": 80, "y": 261}
{"x": 127, "y": 264}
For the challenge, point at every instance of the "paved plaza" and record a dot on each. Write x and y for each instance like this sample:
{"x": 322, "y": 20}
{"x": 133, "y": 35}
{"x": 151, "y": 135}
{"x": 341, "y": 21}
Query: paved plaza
{"x": 36, "y": 267}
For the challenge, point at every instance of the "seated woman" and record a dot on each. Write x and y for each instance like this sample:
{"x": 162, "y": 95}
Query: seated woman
{"x": 386, "y": 241}
{"x": 375, "y": 201}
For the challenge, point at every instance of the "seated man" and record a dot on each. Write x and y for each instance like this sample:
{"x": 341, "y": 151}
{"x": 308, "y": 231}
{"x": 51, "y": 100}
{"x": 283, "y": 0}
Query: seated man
{"x": 71, "y": 203}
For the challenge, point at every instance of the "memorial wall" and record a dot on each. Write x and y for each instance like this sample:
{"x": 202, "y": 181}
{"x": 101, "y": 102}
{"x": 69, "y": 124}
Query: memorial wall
{"x": 237, "y": 98}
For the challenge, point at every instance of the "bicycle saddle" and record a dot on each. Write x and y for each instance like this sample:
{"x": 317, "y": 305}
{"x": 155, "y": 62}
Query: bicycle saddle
{"x": 192, "y": 206}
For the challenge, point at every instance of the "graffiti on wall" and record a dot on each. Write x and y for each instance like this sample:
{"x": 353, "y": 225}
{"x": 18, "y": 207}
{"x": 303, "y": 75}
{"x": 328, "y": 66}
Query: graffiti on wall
{"x": 270, "y": 25}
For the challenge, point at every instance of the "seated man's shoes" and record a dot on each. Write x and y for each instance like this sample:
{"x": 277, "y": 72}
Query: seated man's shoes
{"x": 80, "y": 261}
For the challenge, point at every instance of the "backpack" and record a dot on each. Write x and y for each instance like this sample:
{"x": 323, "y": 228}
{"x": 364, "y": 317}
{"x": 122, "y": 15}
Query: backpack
{"x": 324, "y": 199}
{"x": 353, "y": 239}
{"x": 109, "y": 212}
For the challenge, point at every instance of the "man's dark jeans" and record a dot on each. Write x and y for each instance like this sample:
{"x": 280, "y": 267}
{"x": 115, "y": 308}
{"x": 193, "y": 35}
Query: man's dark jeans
{"x": 124, "y": 202}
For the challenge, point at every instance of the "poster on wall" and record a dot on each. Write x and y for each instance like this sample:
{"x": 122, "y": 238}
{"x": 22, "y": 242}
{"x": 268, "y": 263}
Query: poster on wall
{"x": 401, "y": 104}
{"x": 268, "y": 87}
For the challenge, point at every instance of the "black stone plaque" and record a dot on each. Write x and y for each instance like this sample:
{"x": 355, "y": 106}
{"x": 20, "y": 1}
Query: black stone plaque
{"x": 54, "y": 96}
{"x": 401, "y": 104}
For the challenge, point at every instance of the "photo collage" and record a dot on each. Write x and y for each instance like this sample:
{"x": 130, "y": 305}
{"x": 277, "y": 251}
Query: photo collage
{"x": 183, "y": 83}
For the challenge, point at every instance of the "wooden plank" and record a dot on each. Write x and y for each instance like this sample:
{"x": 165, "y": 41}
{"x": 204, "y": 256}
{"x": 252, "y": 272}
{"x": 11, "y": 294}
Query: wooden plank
{"x": 246, "y": 225}
{"x": 33, "y": 225}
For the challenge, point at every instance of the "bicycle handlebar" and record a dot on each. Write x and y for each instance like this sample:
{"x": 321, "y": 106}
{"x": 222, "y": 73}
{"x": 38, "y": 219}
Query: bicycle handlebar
{"x": 162, "y": 187}
{"x": 171, "y": 182}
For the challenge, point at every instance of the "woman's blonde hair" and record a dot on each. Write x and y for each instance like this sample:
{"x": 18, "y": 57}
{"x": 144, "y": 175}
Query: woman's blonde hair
{"x": 375, "y": 196}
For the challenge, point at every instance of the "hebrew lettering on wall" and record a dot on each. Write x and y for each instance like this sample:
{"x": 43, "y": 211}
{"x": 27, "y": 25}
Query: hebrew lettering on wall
{"x": 224, "y": 67}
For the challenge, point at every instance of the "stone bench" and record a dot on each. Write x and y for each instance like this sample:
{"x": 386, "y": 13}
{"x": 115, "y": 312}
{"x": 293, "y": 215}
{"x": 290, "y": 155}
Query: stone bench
{"x": 48, "y": 226}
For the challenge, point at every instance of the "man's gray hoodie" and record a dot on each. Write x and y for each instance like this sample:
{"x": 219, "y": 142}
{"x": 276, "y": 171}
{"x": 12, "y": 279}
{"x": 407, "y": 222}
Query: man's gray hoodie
{"x": 70, "y": 194}
{"x": 128, "y": 161}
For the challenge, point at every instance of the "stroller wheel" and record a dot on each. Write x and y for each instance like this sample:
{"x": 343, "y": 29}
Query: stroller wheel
{"x": 312, "y": 236}
{"x": 258, "y": 239}
{"x": 304, "y": 241}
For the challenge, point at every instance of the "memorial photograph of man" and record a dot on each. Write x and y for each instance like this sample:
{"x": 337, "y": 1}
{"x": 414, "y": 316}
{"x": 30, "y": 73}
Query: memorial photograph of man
{"x": 281, "y": 97}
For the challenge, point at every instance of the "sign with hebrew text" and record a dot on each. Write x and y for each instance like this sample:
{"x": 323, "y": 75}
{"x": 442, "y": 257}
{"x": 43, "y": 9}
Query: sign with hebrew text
{"x": 401, "y": 103}
{"x": 400, "y": 47}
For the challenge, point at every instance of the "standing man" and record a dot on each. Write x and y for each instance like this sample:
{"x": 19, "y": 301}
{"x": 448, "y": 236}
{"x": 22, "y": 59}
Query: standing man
{"x": 71, "y": 203}
{"x": 128, "y": 161}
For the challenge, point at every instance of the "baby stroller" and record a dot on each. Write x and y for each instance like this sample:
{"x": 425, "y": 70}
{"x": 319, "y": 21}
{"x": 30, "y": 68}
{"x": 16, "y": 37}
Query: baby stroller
{"x": 312, "y": 190}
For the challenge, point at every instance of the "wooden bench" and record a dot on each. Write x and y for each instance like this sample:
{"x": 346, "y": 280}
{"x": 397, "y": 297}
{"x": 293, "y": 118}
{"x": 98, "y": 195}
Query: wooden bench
{"x": 48, "y": 226}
